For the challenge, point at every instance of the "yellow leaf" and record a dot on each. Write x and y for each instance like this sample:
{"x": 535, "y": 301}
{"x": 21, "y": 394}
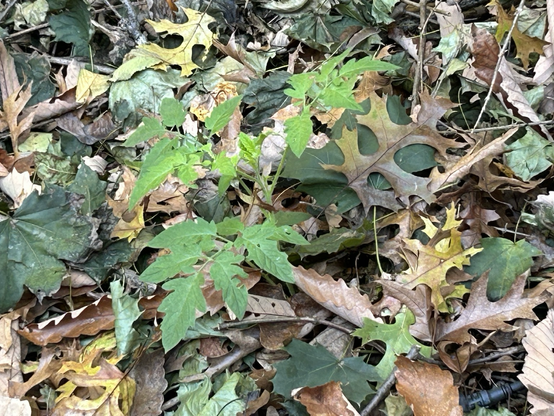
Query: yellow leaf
{"x": 90, "y": 85}
{"x": 194, "y": 32}
{"x": 433, "y": 260}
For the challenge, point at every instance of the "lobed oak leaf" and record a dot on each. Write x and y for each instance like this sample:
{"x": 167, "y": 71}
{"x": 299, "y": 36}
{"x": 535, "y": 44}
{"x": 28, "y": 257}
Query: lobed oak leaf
{"x": 391, "y": 138}
{"x": 430, "y": 262}
{"x": 480, "y": 313}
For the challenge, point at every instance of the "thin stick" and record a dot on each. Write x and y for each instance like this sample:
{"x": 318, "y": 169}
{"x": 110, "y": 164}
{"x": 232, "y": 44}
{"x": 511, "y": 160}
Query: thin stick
{"x": 387, "y": 385}
{"x": 498, "y": 63}
{"x": 418, "y": 76}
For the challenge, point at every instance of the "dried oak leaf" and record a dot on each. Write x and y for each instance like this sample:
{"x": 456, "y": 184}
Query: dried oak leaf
{"x": 391, "y": 138}
{"x": 480, "y": 313}
{"x": 428, "y": 390}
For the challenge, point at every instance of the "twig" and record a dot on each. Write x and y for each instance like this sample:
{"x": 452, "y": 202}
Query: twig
{"x": 418, "y": 76}
{"x": 387, "y": 385}
{"x": 133, "y": 25}
{"x": 498, "y": 63}
{"x": 506, "y": 127}
{"x": 102, "y": 69}
{"x": 6, "y": 10}
{"x": 25, "y": 31}
{"x": 431, "y": 9}
{"x": 284, "y": 319}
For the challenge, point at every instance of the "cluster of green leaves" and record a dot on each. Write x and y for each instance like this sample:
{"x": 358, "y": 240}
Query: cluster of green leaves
{"x": 330, "y": 87}
{"x": 200, "y": 246}
{"x": 180, "y": 154}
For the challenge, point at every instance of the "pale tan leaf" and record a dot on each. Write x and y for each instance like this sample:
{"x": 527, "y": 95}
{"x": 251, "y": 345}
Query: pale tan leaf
{"x": 8, "y": 75}
{"x": 347, "y": 302}
{"x": 539, "y": 364}
{"x": 17, "y": 186}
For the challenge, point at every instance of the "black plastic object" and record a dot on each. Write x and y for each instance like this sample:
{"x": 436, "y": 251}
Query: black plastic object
{"x": 486, "y": 398}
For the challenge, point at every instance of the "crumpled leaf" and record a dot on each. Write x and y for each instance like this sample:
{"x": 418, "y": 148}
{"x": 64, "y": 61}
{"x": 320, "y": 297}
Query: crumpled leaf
{"x": 17, "y": 186}
{"x": 46, "y": 229}
{"x": 539, "y": 364}
{"x": 126, "y": 312}
{"x": 94, "y": 384}
{"x": 391, "y": 137}
{"x": 347, "y": 302}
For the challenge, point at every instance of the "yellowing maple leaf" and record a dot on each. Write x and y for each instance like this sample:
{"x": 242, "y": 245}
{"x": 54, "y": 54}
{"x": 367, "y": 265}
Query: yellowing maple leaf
{"x": 194, "y": 32}
{"x": 430, "y": 262}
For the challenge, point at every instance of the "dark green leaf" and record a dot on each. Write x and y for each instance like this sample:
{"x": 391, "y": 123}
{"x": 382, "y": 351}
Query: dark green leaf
{"x": 311, "y": 366}
{"x": 91, "y": 187}
{"x": 505, "y": 260}
{"x": 46, "y": 229}
{"x": 73, "y": 26}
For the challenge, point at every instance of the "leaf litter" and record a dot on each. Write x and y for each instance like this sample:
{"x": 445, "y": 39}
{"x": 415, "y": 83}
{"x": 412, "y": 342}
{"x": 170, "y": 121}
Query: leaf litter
{"x": 290, "y": 207}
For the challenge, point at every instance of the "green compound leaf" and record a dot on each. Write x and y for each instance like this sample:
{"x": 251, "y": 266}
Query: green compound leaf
{"x": 222, "y": 114}
{"x": 506, "y": 260}
{"x": 151, "y": 127}
{"x": 298, "y": 130}
{"x": 46, "y": 229}
{"x": 353, "y": 68}
{"x": 301, "y": 84}
{"x": 340, "y": 96}
{"x": 223, "y": 272}
{"x": 396, "y": 336}
{"x": 180, "y": 307}
{"x": 263, "y": 250}
{"x": 172, "y": 112}
{"x": 265, "y": 253}
{"x": 180, "y": 260}
{"x": 311, "y": 366}
{"x": 184, "y": 234}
